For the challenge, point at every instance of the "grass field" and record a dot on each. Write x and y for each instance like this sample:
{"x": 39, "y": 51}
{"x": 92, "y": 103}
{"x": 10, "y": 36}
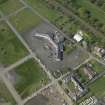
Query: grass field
{"x": 82, "y": 75}
{"x": 5, "y": 95}
{"x": 41, "y": 7}
{"x": 10, "y": 6}
{"x": 71, "y": 86}
{"x": 69, "y": 48}
{"x": 97, "y": 66}
{"x": 32, "y": 77}
{"x": 25, "y": 20}
{"x": 98, "y": 87}
{"x": 11, "y": 49}
{"x": 95, "y": 89}
{"x": 63, "y": 22}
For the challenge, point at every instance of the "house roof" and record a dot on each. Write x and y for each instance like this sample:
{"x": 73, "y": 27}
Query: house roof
{"x": 78, "y": 36}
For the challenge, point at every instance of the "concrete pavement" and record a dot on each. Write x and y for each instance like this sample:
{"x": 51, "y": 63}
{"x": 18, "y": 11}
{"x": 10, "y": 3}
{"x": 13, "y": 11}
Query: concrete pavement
{"x": 7, "y": 82}
{"x": 21, "y": 61}
{"x": 11, "y": 89}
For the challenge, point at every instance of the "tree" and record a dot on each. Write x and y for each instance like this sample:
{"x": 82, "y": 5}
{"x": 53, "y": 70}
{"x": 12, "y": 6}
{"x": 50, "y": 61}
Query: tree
{"x": 2, "y": 1}
{"x": 83, "y": 12}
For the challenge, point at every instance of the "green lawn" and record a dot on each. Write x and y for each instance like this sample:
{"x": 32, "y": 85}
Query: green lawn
{"x": 82, "y": 75}
{"x": 11, "y": 49}
{"x": 95, "y": 89}
{"x": 71, "y": 86}
{"x": 5, "y": 94}
{"x": 69, "y": 48}
{"x": 25, "y": 20}
{"x": 97, "y": 66}
{"x": 42, "y": 8}
{"x": 98, "y": 87}
{"x": 32, "y": 77}
{"x": 10, "y": 6}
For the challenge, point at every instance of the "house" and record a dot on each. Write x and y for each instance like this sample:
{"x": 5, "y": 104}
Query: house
{"x": 99, "y": 51}
{"x": 78, "y": 36}
{"x": 89, "y": 71}
{"x": 79, "y": 89}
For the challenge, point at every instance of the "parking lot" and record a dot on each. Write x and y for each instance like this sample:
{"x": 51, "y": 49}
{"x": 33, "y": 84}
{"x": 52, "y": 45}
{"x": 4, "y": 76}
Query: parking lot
{"x": 44, "y": 54}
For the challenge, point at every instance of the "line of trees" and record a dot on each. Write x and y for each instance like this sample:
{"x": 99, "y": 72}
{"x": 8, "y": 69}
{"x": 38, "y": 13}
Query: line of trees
{"x": 85, "y": 14}
{"x": 81, "y": 12}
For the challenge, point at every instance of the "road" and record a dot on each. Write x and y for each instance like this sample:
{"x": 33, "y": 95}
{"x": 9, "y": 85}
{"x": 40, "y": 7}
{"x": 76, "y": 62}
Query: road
{"x": 95, "y": 78}
{"x": 21, "y": 61}
{"x": 100, "y": 74}
{"x": 32, "y": 55}
{"x": 55, "y": 81}
{"x": 11, "y": 89}
{"x": 11, "y": 14}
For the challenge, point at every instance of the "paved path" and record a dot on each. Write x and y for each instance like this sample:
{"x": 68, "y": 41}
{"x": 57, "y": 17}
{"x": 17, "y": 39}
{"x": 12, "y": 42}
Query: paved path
{"x": 21, "y": 61}
{"x": 87, "y": 60}
{"x": 11, "y": 14}
{"x": 95, "y": 78}
{"x": 43, "y": 18}
{"x": 11, "y": 89}
{"x": 25, "y": 44}
{"x": 53, "y": 81}
{"x": 8, "y": 84}
{"x": 31, "y": 55}
{"x": 66, "y": 97}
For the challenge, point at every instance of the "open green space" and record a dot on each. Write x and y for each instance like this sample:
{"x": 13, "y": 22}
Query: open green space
{"x": 71, "y": 86}
{"x": 95, "y": 11}
{"x": 31, "y": 77}
{"x": 11, "y": 49}
{"x": 98, "y": 87}
{"x": 25, "y": 20}
{"x": 98, "y": 67}
{"x": 67, "y": 24}
{"x": 92, "y": 39}
{"x": 69, "y": 48}
{"x": 90, "y": 13}
{"x": 5, "y": 95}
{"x": 82, "y": 99}
{"x": 82, "y": 75}
{"x": 42, "y": 8}
{"x": 10, "y": 6}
